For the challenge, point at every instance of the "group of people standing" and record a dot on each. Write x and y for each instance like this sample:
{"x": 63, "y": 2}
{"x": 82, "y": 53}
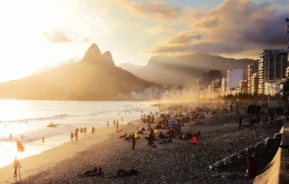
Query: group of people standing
{"x": 115, "y": 123}
{"x": 83, "y": 131}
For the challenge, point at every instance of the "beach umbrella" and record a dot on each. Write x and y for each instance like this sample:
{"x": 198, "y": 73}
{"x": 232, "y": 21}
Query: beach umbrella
{"x": 194, "y": 140}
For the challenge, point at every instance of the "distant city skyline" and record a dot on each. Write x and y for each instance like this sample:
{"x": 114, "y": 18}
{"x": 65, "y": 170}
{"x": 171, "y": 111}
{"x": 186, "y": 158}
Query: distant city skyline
{"x": 36, "y": 34}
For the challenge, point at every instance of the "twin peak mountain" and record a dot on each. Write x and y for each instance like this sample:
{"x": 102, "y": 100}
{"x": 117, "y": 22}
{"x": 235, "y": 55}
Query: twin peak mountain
{"x": 93, "y": 55}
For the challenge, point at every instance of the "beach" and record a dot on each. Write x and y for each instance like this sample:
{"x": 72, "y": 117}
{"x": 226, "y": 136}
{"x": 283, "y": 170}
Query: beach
{"x": 27, "y": 122}
{"x": 177, "y": 162}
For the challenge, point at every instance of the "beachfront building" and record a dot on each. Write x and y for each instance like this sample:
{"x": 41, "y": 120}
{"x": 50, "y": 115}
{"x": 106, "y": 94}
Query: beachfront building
{"x": 243, "y": 87}
{"x": 234, "y": 77}
{"x": 287, "y": 72}
{"x": 254, "y": 83}
{"x": 251, "y": 70}
{"x": 206, "y": 79}
{"x": 224, "y": 86}
{"x": 272, "y": 67}
{"x": 273, "y": 87}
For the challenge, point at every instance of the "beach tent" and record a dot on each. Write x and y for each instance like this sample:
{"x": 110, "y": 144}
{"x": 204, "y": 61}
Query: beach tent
{"x": 172, "y": 121}
{"x": 173, "y": 124}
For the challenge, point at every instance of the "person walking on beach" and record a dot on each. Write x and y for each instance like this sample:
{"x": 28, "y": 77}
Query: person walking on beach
{"x": 84, "y": 131}
{"x": 10, "y": 136}
{"x": 43, "y": 141}
{"x": 107, "y": 124}
{"x": 71, "y": 136}
{"x": 240, "y": 121}
{"x": 76, "y": 136}
{"x": 133, "y": 141}
{"x": 92, "y": 130}
{"x": 116, "y": 126}
{"x": 17, "y": 167}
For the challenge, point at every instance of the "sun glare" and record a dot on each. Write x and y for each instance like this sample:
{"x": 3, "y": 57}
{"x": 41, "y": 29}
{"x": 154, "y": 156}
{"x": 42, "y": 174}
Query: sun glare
{"x": 13, "y": 128}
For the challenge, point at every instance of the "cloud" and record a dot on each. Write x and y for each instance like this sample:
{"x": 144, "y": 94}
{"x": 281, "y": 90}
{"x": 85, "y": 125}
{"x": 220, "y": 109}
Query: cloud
{"x": 235, "y": 26}
{"x": 63, "y": 37}
{"x": 156, "y": 30}
{"x": 209, "y": 47}
{"x": 184, "y": 38}
{"x": 155, "y": 9}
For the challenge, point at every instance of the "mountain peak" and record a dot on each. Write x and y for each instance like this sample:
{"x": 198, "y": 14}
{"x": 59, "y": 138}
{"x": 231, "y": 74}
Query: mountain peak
{"x": 107, "y": 58}
{"x": 92, "y": 53}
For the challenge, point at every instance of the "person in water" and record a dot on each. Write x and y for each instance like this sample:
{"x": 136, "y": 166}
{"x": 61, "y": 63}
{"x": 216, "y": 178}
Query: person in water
{"x": 17, "y": 167}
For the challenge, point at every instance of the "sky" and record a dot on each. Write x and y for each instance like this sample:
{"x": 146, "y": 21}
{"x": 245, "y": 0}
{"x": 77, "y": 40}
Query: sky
{"x": 37, "y": 34}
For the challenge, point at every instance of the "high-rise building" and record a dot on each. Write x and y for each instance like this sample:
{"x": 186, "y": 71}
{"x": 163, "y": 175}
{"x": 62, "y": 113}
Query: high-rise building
{"x": 234, "y": 76}
{"x": 224, "y": 86}
{"x": 254, "y": 84}
{"x": 252, "y": 68}
{"x": 206, "y": 79}
{"x": 272, "y": 67}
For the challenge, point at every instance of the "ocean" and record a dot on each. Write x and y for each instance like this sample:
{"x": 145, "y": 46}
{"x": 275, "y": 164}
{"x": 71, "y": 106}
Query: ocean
{"x": 27, "y": 122}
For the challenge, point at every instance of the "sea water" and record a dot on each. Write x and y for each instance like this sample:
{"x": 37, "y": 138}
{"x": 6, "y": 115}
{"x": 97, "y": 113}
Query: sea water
{"x": 27, "y": 122}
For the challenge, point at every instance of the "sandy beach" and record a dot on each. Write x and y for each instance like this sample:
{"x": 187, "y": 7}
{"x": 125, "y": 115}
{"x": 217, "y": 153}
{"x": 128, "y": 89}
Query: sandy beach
{"x": 47, "y": 159}
{"x": 177, "y": 162}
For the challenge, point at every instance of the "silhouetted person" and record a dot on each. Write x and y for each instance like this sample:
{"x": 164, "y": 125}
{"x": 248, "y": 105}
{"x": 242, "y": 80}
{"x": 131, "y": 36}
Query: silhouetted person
{"x": 240, "y": 121}
{"x": 76, "y": 136}
{"x": 17, "y": 167}
{"x": 71, "y": 136}
{"x": 84, "y": 131}
{"x": 133, "y": 141}
{"x": 231, "y": 108}
{"x": 107, "y": 124}
{"x": 81, "y": 131}
{"x": 93, "y": 130}
{"x": 116, "y": 126}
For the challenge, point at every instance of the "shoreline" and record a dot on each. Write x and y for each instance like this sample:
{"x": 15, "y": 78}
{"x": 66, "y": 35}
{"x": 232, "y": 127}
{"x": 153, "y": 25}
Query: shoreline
{"x": 154, "y": 164}
{"x": 48, "y": 158}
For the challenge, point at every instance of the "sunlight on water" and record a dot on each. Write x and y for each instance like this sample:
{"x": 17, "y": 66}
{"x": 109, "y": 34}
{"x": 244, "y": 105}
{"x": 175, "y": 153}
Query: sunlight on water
{"x": 67, "y": 115}
{"x": 13, "y": 128}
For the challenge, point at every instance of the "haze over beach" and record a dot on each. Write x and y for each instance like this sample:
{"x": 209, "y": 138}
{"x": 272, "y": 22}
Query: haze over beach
{"x": 144, "y": 91}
